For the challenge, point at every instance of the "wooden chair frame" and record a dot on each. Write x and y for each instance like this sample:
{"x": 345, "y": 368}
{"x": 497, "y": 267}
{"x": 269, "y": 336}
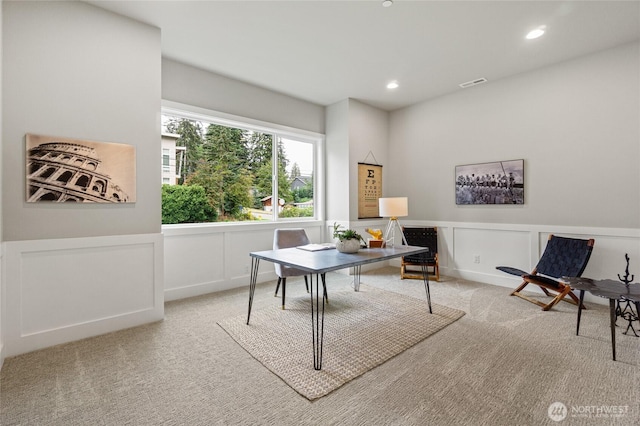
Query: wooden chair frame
{"x": 547, "y": 274}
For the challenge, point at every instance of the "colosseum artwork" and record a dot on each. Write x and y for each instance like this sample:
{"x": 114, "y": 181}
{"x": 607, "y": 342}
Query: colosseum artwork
{"x": 78, "y": 171}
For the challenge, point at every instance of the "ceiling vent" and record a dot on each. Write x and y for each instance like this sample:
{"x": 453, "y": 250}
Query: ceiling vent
{"x": 473, "y": 82}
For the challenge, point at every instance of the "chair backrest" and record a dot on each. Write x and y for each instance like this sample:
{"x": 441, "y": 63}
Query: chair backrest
{"x": 287, "y": 238}
{"x": 290, "y": 237}
{"x": 565, "y": 257}
{"x": 422, "y": 237}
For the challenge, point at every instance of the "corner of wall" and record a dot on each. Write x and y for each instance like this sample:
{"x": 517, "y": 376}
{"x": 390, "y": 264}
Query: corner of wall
{"x": 1, "y": 203}
{"x": 369, "y": 143}
{"x": 337, "y": 160}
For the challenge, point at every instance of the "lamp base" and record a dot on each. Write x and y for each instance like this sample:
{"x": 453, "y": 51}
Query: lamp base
{"x": 391, "y": 231}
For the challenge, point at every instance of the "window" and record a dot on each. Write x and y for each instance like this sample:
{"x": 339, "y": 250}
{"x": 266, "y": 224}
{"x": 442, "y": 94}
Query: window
{"x": 166, "y": 165}
{"x": 235, "y": 171}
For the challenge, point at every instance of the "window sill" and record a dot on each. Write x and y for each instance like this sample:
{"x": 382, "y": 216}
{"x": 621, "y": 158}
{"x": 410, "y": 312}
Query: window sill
{"x": 223, "y": 227}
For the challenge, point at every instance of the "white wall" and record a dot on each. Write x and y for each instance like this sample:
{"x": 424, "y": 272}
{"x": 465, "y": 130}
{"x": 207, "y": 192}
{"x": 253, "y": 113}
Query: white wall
{"x": 73, "y": 70}
{"x": 576, "y": 125}
{"x": 356, "y": 132}
{"x": 414, "y": 167}
{"x": 72, "y": 271}
{"x": 202, "y": 259}
{"x": 521, "y": 246}
{"x": 337, "y": 162}
{"x": 192, "y": 86}
{"x": 368, "y": 133}
{"x": 1, "y": 245}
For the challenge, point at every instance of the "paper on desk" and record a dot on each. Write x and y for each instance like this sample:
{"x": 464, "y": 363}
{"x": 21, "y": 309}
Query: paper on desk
{"x": 317, "y": 247}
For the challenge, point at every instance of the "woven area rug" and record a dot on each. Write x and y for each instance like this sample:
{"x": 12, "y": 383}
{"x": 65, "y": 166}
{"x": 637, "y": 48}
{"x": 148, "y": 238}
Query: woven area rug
{"x": 361, "y": 331}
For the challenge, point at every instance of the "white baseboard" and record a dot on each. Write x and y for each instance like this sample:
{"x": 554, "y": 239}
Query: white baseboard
{"x": 215, "y": 286}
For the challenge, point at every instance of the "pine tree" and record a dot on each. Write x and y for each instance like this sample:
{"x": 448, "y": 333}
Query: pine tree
{"x": 190, "y": 137}
{"x": 295, "y": 171}
{"x": 226, "y": 155}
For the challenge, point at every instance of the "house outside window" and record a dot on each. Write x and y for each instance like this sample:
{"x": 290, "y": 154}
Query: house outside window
{"x": 169, "y": 158}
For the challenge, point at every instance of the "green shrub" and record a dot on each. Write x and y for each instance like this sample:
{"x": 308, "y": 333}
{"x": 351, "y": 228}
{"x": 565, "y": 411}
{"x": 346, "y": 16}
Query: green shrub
{"x": 291, "y": 211}
{"x": 186, "y": 204}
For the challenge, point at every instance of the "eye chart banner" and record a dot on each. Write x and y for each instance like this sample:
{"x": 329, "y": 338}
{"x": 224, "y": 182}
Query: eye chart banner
{"x": 369, "y": 190}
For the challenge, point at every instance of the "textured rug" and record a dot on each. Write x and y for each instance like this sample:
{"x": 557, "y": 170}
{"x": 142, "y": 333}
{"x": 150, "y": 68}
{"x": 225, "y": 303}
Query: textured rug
{"x": 361, "y": 331}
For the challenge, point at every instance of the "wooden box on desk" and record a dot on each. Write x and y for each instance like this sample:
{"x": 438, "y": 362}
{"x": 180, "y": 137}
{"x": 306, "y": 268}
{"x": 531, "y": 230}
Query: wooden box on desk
{"x": 375, "y": 243}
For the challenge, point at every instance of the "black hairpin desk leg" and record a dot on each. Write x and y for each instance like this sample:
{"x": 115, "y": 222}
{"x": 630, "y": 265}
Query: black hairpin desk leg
{"x": 612, "y": 313}
{"x": 425, "y": 278}
{"x": 317, "y": 320}
{"x": 579, "y": 312}
{"x": 252, "y": 283}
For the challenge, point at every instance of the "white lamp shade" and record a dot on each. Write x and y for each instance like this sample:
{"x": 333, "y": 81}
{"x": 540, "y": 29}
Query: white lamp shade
{"x": 393, "y": 206}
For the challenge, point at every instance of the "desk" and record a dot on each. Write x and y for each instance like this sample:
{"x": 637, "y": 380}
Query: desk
{"x": 609, "y": 289}
{"x": 321, "y": 262}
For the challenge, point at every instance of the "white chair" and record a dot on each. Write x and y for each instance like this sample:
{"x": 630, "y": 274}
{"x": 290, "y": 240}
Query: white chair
{"x": 287, "y": 238}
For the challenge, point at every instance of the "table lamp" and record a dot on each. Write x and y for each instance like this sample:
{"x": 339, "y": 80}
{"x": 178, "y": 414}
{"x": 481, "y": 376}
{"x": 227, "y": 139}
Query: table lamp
{"x": 393, "y": 208}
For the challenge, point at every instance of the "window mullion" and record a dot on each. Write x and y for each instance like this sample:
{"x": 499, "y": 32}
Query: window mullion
{"x": 274, "y": 176}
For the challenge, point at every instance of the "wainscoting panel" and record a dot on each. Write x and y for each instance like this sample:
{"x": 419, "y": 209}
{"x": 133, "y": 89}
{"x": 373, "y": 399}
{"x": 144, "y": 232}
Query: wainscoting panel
{"x": 99, "y": 278}
{"x": 608, "y": 256}
{"x": 66, "y": 289}
{"x": 522, "y": 245}
{"x": 466, "y": 250}
{"x": 201, "y": 259}
{"x": 481, "y": 250}
{"x": 196, "y": 259}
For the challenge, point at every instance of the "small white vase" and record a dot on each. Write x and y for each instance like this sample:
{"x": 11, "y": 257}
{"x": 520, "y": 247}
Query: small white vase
{"x": 348, "y": 246}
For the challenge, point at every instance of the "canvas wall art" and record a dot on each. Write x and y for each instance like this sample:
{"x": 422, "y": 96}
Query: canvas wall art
{"x": 501, "y": 182}
{"x": 79, "y": 171}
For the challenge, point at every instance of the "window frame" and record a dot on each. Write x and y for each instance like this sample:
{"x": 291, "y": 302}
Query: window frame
{"x": 278, "y": 132}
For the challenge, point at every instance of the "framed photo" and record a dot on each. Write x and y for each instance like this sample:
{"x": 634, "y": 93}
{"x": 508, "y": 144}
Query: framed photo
{"x": 66, "y": 170}
{"x": 369, "y": 190}
{"x": 501, "y": 182}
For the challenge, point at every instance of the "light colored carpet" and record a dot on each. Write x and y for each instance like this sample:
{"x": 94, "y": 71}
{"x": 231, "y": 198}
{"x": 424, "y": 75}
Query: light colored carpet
{"x": 361, "y": 331}
{"x": 503, "y": 363}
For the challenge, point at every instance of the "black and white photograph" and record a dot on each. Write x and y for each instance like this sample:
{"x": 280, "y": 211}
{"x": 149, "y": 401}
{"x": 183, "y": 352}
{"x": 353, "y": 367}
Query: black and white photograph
{"x": 78, "y": 171}
{"x": 500, "y": 182}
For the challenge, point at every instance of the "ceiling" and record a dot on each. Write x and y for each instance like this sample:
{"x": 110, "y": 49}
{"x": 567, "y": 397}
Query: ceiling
{"x": 328, "y": 51}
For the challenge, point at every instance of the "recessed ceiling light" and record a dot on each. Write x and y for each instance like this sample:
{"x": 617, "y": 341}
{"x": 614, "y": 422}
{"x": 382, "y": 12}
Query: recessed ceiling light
{"x": 387, "y": 3}
{"x": 393, "y": 85}
{"x": 537, "y": 32}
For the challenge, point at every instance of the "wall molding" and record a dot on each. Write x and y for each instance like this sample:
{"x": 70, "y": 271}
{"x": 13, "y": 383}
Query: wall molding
{"x": 607, "y": 259}
{"x": 516, "y": 245}
{"x": 2, "y": 306}
{"x": 224, "y": 264}
{"x": 61, "y": 290}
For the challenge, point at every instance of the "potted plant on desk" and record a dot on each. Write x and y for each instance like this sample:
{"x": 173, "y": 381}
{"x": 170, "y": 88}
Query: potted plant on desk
{"x": 348, "y": 239}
